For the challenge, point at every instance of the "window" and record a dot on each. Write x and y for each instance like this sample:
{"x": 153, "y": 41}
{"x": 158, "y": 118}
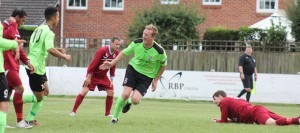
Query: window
{"x": 76, "y": 42}
{"x": 266, "y": 6}
{"x": 77, "y": 4}
{"x": 169, "y": 1}
{"x": 105, "y": 42}
{"x": 116, "y": 5}
{"x": 212, "y": 2}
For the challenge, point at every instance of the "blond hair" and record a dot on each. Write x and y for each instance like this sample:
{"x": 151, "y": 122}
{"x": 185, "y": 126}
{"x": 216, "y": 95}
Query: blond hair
{"x": 153, "y": 28}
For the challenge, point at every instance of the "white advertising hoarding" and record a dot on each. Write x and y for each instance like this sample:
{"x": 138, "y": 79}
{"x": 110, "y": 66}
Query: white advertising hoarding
{"x": 184, "y": 85}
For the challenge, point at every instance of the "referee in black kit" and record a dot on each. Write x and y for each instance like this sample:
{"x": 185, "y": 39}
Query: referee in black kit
{"x": 247, "y": 67}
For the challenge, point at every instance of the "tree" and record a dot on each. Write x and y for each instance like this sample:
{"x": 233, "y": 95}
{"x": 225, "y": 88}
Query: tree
{"x": 173, "y": 22}
{"x": 293, "y": 13}
{"x": 276, "y": 37}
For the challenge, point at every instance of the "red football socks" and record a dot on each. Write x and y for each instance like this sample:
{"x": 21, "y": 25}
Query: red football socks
{"x": 287, "y": 121}
{"x": 18, "y": 104}
{"x": 109, "y": 101}
{"x": 78, "y": 101}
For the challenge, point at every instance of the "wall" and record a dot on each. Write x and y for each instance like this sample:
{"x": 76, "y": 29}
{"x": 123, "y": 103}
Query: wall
{"x": 97, "y": 23}
{"x": 184, "y": 85}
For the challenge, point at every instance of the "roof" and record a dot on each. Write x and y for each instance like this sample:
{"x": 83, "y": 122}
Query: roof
{"x": 278, "y": 19}
{"x": 34, "y": 9}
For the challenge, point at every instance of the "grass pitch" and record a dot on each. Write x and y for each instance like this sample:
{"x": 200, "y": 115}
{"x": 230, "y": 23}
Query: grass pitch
{"x": 151, "y": 116}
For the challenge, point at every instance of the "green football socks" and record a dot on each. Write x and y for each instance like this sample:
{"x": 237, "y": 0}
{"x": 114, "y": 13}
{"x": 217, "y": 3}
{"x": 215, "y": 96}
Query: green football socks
{"x": 119, "y": 106}
{"x": 129, "y": 101}
{"x": 29, "y": 99}
{"x": 2, "y": 121}
{"x": 34, "y": 109}
{"x": 26, "y": 98}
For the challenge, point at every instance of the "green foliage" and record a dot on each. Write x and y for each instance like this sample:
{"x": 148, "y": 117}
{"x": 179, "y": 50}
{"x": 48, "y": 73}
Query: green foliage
{"x": 220, "y": 33}
{"x": 293, "y": 13}
{"x": 276, "y": 35}
{"x": 251, "y": 34}
{"x": 173, "y": 22}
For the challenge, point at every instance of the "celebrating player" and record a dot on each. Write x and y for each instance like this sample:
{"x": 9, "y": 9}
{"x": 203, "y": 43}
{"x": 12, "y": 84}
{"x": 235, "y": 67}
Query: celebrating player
{"x": 146, "y": 67}
{"x": 96, "y": 77}
{"x": 241, "y": 111}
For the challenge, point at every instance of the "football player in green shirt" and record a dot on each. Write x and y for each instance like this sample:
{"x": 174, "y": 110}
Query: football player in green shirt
{"x": 4, "y": 91}
{"x": 42, "y": 43}
{"x": 145, "y": 68}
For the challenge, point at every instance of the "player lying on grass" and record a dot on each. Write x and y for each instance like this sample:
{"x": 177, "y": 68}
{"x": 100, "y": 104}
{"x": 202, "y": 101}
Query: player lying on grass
{"x": 241, "y": 111}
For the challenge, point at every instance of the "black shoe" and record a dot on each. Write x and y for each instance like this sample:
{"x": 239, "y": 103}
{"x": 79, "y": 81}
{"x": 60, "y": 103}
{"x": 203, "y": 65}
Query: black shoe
{"x": 114, "y": 121}
{"x": 126, "y": 108}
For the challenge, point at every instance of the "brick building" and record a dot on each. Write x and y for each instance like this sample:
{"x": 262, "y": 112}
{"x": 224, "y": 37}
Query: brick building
{"x": 91, "y": 21}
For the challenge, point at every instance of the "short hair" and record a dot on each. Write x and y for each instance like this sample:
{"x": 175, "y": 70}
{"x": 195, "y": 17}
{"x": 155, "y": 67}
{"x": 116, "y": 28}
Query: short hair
{"x": 50, "y": 11}
{"x": 248, "y": 46}
{"x": 115, "y": 38}
{"x": 19, "y": 12}
{"x": 153, "y": 28}
{"x": 219, "y": 93}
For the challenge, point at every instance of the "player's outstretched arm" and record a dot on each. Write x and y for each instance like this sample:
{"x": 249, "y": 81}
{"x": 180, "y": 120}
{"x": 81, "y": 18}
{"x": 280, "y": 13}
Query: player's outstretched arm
{"x": 57, "y": 53}
{"x": 61, "y": 50}
{"x": 215, "y": 120}
{"x": 220, "y": 121}
{"x": 107, "y": 64}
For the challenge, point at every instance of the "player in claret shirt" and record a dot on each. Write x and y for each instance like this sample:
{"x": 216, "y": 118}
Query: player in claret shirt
{"x": 11, "y": 63}
{"x": 96, "y": 77}
{"x": 241, "y": 111}
{"x": 5, "y": 44}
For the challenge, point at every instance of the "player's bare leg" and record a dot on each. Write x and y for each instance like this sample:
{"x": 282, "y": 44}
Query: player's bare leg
{"x": 271, "y": 121}
{"x": 135, "y": 99}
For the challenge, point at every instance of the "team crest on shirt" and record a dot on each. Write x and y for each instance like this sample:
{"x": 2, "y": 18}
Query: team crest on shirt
{"x": 150, "y": 58}
{"x": 105, "y": 56}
